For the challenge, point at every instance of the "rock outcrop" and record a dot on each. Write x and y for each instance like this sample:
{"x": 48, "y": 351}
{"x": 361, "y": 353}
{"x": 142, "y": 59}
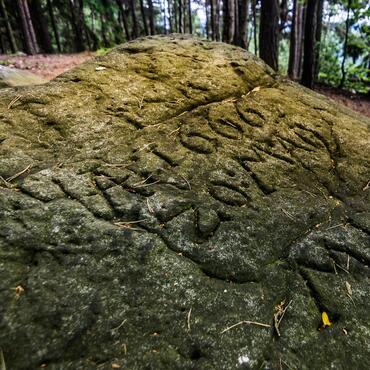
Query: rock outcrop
{"x": 175, "y": 204}
{"x": 11, "y": 77}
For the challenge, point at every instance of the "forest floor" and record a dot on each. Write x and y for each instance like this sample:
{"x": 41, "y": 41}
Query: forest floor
{"x": 50, "y": 66}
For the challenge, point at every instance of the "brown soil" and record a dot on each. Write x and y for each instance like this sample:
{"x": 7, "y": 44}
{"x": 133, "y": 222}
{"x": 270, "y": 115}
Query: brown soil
{"x": 357, "y": 102}
{"x": 50, "y": 66}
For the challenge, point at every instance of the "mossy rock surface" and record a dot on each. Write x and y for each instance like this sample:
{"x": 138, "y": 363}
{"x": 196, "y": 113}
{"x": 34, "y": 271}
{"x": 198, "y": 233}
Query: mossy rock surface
{"x": 160, "y": 194}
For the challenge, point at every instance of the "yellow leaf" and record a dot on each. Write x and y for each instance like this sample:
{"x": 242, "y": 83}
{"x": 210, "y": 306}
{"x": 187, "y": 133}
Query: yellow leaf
{"x": 325, "y": 319}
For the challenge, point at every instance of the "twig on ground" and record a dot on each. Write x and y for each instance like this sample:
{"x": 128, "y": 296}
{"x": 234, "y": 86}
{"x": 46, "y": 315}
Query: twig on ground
{"x": 127, "y": 224}
{"x": 335, "y": 226}
{"x": 124, "y": 346}
{"x": 146, "y": 185}
{"x": 287, "y": 214}
{"x": 341, "y": 267}
{"x": 279, "y": 314}
{"x": 174, "y": 131}
{"x": 143, "y": 182}
{"x": 309, "y": 193}
{"x": 120, "y": 325}
{"x": 11, "y": 178}
{"x": 246, "y": 322}
{"x": 2, "y": 360}
{"x": 150, "y": 209}
{"x": 188, "y": 319}
{"x": 187, "y": 182}
{"x": 6, "y": 183}
{"x": 14, "y": 101}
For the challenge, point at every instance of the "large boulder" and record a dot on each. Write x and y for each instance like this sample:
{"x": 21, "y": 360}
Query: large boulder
{"x": 10, "y": 77}
{"x": 175, "y": 204}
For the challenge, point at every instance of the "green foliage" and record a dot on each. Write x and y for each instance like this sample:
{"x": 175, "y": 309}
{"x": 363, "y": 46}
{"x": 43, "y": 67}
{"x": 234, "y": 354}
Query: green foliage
{"x": 103, "y": 51}
{"x": 357, "y": 57}
{"x": 283, "y": 55}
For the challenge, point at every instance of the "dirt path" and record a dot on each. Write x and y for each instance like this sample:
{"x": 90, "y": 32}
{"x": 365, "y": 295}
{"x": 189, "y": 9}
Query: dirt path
{"x": 50, "y": 66}
{"x": 46, "y": 66}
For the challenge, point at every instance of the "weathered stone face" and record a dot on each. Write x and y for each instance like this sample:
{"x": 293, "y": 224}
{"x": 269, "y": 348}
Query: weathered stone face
{"x": 10, "y": 77}
{"x": 156, "y": 196}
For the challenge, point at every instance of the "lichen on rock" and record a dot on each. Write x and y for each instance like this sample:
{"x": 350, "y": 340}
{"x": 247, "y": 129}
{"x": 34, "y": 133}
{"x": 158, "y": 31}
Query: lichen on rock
{"x": 148, "y": 206}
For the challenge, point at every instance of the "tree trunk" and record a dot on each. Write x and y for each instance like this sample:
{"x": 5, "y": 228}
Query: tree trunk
{"x": 163, "y": 11}
{"x": 30, "y": 26}
{"x": 320, "y": 9}
{"x": 170, "y": 16}
{"x": 135, "y": 29}
{"x": 8, "y": 27}
{"x": 243, "y": 9}
{"x": 236, "y": 22}
{"x": 27, "y": 28}
{"x": 124, "y": 18}
{"x": 2, "y": 49}
{"x": 254, "y": 10}
{"x": 103, "y": 29}
{"x": 112, "y": 26}
{"x": 217, "y": 21}
{"x": 54, "y": 25}
{"x": 213, "y": 16}
{"x": 142, "y": 9}
{"x": 207, "y": 18}
{"x": 181, "y": 30}
{"x": 341, "y": 84}
{"x": 41, "y": 26}
{"x": 76, "y": 27}
{"x": 308, "y": 71}
{"x": 229, "y": 21}
{"x": 269, "y": 32}
{"x": 296, "y": 41}
{"x": 190, "y": 17}
{"x": 151, "y": 17}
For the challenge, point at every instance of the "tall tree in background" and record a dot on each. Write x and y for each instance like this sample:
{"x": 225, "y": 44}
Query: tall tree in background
{"x": 8, "y": 27}
{"x": 254, "y": 11}
{"x": 54, "y": 25}
{"x": 269, "y": 32}
{"x": 228, "y": 10}
{"x": 151, "y": 17}
{"x": 135, "y": 26}
{"x": 241, "y": 33}
{"x": 296, "y": 41}
{"x": 76, "y": 19}
{"x": 41, "y": 26}
{"x": 345, "y": 44}
{"x": 27, "y": 28}
{"x": 143, "y": 15}
{"x": 124, "y": 18}
{"x": 213, "y": 18}
{"x": 190, "y": 17}
{"x": 309, "y": 57}
{"x": 180, "y": 12}
{"x": 320, "y": 10}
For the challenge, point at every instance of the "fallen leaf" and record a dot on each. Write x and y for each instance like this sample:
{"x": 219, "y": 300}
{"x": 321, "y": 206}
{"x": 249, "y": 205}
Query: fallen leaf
{"x": 18, "y": 291}
{"x": 115, "y": 366}
{"x": 325, "y": 319}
